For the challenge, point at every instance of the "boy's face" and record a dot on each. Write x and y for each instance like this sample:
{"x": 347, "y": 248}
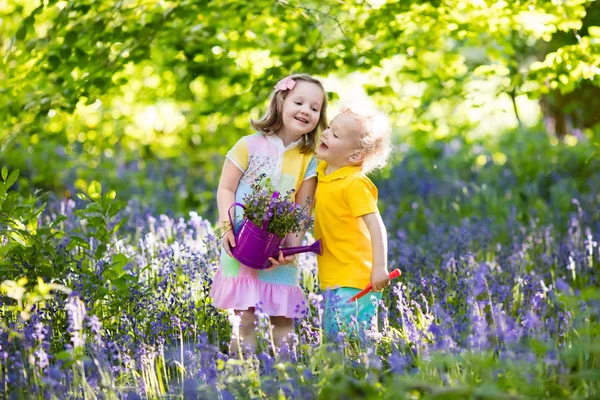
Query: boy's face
{"x": 339, "y": 142}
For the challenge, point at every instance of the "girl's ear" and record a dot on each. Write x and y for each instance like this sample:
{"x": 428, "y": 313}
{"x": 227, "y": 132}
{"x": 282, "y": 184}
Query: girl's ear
{"x": 357, "y": 157}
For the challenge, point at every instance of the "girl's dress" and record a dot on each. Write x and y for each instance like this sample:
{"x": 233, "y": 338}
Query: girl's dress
{"x": 236, "y": 286}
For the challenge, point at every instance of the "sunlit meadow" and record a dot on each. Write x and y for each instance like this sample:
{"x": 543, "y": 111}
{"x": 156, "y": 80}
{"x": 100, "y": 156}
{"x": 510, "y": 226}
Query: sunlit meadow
{"x": 497, "y": 299}
{"x": 118, "y": 114}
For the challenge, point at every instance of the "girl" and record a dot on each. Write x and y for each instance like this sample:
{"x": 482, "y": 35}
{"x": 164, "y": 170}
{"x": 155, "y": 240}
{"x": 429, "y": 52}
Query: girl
{"x": 282, "y": 149}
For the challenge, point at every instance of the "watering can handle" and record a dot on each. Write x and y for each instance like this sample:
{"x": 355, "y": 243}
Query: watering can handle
{"x": 229, "y": 213}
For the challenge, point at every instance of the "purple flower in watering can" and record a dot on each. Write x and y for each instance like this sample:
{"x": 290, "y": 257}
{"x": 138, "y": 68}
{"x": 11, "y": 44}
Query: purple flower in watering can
{"x": 268, "y": 218}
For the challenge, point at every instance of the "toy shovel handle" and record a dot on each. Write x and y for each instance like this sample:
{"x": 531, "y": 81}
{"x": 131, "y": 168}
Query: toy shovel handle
{"x": 394, "y": 274}
{"x": 229, "y": 213}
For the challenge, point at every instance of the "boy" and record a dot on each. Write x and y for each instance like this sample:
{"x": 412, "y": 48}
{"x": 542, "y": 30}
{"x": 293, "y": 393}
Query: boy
{"x": 346, "y": 215}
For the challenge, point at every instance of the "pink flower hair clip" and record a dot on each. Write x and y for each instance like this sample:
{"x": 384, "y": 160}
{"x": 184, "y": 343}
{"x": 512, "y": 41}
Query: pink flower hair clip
{"x": 286, "y": 83}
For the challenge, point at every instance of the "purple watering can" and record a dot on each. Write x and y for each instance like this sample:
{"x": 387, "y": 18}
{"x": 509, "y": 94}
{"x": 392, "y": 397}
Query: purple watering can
{"x": 254, "y": 245}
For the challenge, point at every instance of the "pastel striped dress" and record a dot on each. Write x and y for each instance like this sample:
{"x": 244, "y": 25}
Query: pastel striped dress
{"x": 236, "y": 286}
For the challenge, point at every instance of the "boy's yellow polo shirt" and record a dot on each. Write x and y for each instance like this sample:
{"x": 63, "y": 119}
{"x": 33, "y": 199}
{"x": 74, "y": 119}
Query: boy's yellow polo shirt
{"x": 341, "y": 199}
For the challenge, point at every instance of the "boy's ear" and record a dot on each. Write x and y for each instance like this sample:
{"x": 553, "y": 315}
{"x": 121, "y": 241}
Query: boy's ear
{"x": 357, "y": 157}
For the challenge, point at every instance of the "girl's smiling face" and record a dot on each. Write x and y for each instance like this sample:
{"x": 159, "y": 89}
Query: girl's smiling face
{"x": 302, "y": 109}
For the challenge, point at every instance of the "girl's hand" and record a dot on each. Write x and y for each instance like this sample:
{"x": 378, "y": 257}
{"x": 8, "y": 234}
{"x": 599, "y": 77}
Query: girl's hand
{"x": 283, "y": 260}
{"x": 380, "y": 278}
{"x": 228, "y": 242}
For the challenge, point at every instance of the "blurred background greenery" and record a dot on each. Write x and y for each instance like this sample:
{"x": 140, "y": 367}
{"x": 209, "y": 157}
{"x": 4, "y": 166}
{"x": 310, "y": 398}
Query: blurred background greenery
{"x": 146, "y": 96}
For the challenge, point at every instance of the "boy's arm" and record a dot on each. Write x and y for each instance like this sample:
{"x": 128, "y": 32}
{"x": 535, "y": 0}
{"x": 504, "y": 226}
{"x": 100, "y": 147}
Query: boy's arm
{"x": 379, "y": 271}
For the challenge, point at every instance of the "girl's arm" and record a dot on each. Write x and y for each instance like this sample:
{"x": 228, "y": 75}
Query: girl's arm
{"x": 306, "y": 198}
{"x": 379, "y": 271}
{"x": 230, "y": 178}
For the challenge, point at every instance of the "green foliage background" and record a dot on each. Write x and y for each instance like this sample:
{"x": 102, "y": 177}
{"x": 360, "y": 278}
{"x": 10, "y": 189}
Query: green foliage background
{"x": 116, "y": 100}
{"x": 146, "y": 96}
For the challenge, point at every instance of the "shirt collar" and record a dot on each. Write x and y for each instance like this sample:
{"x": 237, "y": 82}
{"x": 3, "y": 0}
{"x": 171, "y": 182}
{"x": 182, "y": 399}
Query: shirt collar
{"x": 277, "y": 142}
{"x": 337, "y": 174}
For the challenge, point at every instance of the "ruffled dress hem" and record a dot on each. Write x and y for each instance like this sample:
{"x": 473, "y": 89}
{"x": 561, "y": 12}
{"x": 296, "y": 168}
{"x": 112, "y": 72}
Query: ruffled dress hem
{"x": 242, "y": 293}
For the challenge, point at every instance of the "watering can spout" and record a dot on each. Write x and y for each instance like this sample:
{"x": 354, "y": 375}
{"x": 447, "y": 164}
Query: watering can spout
{"x": 316, "y": 247}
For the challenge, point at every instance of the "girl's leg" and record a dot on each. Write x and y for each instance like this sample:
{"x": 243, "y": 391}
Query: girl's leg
{"x": 282, "y": 327}
{"x": 246, "y": 331}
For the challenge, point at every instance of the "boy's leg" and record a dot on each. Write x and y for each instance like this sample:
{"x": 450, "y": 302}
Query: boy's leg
{"x": 341, "y": 315}
{"x": 367, "y": 307}
{"x": 331, "y": 315}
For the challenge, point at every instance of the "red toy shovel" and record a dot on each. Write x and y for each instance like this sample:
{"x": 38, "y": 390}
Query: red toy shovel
{"x": 394, "y": 274}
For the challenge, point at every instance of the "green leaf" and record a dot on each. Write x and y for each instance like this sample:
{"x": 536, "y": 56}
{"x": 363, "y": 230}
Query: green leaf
{"x": 65, "y": 52}
{"x": 110, "y": 274}
{"x": 27, "y": 22}
{"x": 116, "y": 270}
{"x": 594, "y": 31}
{"x": 70, "y": 38}
{"x": 33, "y": 223}
{"x": 78, "y": 241}
{"x": 19, "y": 238}
{"x": 60, "y": 218}
{"x": 100, "y": 251}
{"x": 93, "y": 210}
{"x": 4, "y": 173}
{"x": 53, "y": 62}
{"x": 119, "y": 225}
{"x": 96, "y": 222}
{"x": 120, "y": 260}
{"x": 121, "y": 285}
{"x": 12, "y": 178}
{"x": 63, "y": 355}
{"x": 94, "y": 190}
{"x": 21, "y": 32}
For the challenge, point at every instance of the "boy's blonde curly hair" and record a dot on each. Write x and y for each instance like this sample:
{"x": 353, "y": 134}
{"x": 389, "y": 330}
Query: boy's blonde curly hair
{"x": 375, "y": 139}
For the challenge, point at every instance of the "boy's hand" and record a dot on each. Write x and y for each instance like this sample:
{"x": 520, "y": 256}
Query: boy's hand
{"x": 283, "y": 260}
{"x": 379, "y": 278}
{"x": 228, "y": 242}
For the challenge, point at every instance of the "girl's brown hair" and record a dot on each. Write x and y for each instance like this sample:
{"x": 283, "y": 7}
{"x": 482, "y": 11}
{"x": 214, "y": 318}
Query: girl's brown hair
{"x": 272, "y": 121}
